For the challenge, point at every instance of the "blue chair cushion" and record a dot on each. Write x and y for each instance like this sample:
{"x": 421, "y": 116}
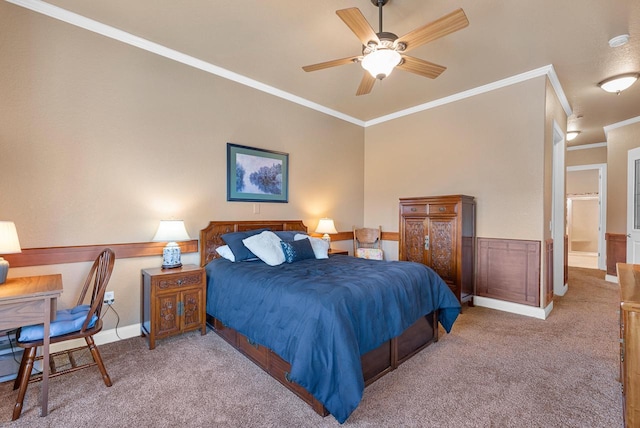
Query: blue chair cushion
{"x": 67, "y": 321}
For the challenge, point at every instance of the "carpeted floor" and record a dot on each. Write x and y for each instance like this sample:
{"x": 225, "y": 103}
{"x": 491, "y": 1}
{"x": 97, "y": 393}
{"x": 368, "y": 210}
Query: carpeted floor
{"x": 494, "y": 370}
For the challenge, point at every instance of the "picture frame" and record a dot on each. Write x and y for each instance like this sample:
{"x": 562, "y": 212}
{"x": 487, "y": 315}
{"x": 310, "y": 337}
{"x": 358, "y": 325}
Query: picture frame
{"x": 257, "y": 175}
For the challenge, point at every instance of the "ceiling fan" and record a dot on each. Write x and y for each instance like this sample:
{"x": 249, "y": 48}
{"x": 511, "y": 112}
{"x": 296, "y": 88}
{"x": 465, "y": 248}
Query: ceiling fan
{"x": 383, "y": 51}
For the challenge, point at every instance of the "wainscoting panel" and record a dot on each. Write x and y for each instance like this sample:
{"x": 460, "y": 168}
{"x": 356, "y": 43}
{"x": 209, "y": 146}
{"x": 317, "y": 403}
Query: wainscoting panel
{"x": 548, "y": 271}
{"x": 509, "y": 270}
{"x": 616, "y": 251}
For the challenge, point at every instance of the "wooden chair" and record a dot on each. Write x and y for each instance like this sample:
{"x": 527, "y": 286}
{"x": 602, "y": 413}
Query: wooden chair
{"x": 367, "y": 243}
{"x": 64, "y": 328}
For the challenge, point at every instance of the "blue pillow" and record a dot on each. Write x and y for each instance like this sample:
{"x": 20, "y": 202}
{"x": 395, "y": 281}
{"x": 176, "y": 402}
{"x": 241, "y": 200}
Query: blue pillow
{"x": 295, "y": 251}
{"x": 288, "y": 235}
{"x": 67, "y": 321}
{"x": 234, "y": 241}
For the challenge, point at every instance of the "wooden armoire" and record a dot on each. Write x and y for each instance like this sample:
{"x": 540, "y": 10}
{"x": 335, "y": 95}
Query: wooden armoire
{"x": 440, "y": 232}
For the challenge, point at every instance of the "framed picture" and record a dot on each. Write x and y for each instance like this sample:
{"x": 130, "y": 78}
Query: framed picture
{"x": 257, "y": 175}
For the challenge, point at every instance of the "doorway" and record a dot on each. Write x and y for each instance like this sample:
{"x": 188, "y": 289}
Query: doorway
{"x": 586, "y": 215}
{"x": 633, "y": 206}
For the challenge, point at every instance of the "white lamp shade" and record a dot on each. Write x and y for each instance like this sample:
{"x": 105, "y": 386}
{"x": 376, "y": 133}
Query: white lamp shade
{"x": 9, "y": 243}
{"x": 171, "y": 231}
{"x": 381, "y": 63}
{"x": 619, "y": 83}
{"x": 325, "y": 225}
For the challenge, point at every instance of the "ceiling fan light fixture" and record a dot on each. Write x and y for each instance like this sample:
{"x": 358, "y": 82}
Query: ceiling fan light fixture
{"x": 619, "y": 83}
{"x": 380, "y": 63}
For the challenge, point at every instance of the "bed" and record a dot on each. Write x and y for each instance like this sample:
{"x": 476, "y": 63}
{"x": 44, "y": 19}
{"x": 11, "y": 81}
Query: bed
{"x": 323, "y": 328}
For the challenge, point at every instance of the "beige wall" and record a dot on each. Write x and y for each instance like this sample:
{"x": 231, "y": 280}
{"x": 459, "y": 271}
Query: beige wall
{"x": 586, "y": 156}
{"x": 100, "y": 140}
{"x": 489, "y": 146}
{"x": 583, "y": 182}
{"x": 619, "y": 142}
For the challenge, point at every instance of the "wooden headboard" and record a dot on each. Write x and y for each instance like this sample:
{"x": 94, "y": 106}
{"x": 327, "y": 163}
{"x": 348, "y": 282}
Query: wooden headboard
{"x": 211, "y": 236}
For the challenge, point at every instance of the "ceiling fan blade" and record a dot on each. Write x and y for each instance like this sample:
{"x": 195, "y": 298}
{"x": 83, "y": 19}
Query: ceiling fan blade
{"x": 356, "y": 21}
{"x": 328, "y": 64}
{"x": 421, "y": 67}
{"x": 448, "y": 24}
{"x": 366, "y": 84}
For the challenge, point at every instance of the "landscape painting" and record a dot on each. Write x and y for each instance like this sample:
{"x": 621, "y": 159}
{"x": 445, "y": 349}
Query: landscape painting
{"x": 256, "y": 175}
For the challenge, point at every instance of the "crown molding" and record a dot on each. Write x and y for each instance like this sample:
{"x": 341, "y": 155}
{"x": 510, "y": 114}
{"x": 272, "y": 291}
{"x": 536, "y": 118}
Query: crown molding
{"x": 620, "y": 125}
{"x": 149, "y": 46}
{"x": 586, "y": 146}
{"x": 547, "y": 70}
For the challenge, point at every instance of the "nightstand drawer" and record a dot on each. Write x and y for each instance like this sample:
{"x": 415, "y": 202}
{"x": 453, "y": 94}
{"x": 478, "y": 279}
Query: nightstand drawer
{"x": 176, "y": 281}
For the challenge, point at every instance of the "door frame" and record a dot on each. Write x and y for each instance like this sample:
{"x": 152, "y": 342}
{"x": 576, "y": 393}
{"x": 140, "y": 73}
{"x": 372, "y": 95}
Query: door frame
{"x": 558, "y": 216}
{"x": 602, "y": 199}
{"x": 632, "y": 155}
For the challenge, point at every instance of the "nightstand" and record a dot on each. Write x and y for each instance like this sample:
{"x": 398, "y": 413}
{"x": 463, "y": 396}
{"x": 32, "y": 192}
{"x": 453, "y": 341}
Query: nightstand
{"x": 172, "y": 301}
{"x": 333, "y": 251}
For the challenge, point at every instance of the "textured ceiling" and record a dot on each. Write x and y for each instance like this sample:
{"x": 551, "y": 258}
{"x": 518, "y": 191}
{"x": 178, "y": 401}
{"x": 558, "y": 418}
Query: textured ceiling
{"x": 269, "y": 41}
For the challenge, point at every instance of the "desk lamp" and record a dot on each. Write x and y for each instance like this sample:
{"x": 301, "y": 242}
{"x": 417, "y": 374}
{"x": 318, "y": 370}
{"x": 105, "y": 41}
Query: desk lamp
{"x": 171, "y": 231}
{"x": 9, "y": 244}
{"x": 326, "y": 226}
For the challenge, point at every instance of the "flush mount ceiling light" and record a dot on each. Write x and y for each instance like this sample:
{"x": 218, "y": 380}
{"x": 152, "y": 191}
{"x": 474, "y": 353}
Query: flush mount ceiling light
{"x": 571, "y": 135}
{"x": 618, "y": 83}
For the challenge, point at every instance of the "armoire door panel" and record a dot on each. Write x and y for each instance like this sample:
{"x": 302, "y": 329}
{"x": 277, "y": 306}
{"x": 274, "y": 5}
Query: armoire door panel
{"x": 441, "y": 255}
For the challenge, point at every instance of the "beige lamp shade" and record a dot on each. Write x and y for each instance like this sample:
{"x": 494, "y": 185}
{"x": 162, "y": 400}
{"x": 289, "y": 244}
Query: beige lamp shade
{"x": 171, "y": 231}
{"x": 326, "y": 226}
{"x": 9, "y": 243}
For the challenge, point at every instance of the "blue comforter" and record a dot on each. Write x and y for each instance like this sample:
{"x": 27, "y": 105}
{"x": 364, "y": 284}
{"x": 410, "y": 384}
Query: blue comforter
{"x": 322, "y": 315}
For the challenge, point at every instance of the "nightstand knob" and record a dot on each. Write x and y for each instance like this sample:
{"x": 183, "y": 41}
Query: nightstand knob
{"x": 179, "y": 282}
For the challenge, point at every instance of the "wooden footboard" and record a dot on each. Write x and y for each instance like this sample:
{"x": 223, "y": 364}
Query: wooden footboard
{"x": 375, "y": 364}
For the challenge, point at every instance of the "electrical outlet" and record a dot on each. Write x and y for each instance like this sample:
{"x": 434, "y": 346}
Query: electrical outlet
{"x": 109, "y": 297}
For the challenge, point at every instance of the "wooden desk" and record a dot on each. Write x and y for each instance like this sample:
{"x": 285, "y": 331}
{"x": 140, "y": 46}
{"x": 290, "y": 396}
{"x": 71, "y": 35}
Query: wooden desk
{"x": 31, "y": 300}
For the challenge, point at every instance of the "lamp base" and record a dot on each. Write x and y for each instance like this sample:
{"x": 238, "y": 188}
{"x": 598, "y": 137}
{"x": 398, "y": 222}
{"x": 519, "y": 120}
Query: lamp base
{"x": 171, "y": 256}
{"x": 4, "y": 270}
{"x": 326, "y": 238}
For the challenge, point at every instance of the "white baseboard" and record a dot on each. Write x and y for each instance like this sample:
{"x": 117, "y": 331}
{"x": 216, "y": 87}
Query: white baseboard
{"x": 514, "y": 308}
{"x": 611, "y": 278}
{"x": 105, "y": 336}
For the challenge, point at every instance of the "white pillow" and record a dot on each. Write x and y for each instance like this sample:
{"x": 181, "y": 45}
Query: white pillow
{"x": 226, "y": 252}
{"x": 266, "y": 246}
{"x": 320, "y": 246}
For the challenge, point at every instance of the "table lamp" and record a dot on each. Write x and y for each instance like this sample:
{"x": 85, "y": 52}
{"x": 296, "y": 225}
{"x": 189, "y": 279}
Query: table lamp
{"x": 171, "y": 231}
{"x": 9, "y": 244}
{"x": 326, "y": 226}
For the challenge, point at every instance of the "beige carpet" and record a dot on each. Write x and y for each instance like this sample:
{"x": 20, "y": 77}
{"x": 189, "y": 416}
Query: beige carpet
{"x": 494, "y": 370}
